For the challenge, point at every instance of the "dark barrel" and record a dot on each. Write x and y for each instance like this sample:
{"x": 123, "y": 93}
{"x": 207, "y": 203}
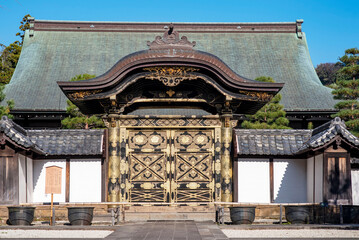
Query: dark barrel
{"x": 297, "y": 214}
{"x": 242, "y": 215}
{"x": 21, "y": 215}
{"x": 80, "y": 215}
{"x": 351, "y": 214}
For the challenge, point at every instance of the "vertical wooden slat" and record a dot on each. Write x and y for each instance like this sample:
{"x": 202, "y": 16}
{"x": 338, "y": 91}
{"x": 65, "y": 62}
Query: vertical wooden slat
{"x": 271, "y": 179}
{"x": 342, "y": 178}
{"x": 67, "y": 187}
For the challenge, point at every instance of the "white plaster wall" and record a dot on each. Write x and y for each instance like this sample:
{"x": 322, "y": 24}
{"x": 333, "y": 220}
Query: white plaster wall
{"x": 30, "y": 185}
{"x": 355, "y": 186}
{"x": 39, "y": 180}
{"x": 318, "y": 178}
{"x": 85, "y": 180}
{"x": 22, "y": 178}
{"x": 290, "y": 180}
{"x": 310, "y": 180}
{"x": 253, "y": 181}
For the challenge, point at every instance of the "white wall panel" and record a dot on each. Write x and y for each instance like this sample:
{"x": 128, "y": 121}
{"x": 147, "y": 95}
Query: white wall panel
{"x": 310, "y": 180}
{"x": 22, "y": 178}
{"x": 85, "y": 180}
{"x": 30, "y": 185}
{"x": 290, "y": 180}
{"x": 39, "y": 180}
{"x": 253, "y": 181}
{"x": 355, "y": 186}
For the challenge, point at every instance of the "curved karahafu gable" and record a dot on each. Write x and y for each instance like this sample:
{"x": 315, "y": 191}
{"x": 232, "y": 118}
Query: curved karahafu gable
{"x": 170, "y": 72}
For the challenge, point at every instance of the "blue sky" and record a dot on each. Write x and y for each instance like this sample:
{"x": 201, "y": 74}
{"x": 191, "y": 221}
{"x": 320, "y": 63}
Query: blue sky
{"x": 330, "y": 26}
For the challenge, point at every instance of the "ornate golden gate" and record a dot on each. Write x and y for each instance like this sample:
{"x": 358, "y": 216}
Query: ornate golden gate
{"x": 171, "y": 165}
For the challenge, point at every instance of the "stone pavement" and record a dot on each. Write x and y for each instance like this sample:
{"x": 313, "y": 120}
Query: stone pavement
{"x": 168, "y": 230}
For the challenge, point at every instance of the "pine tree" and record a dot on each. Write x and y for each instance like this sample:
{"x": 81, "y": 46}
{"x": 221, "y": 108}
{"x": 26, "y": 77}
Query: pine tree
{"x": 9, "y": 55}
{"x": 77, "y": 120}
{"x": 348, "y": 90}
{"x": 5, "y": 109}
{"x": 270, "y": 116}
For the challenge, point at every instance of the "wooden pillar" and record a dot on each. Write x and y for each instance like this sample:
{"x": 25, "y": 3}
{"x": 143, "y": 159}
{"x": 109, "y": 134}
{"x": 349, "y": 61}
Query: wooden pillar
{"x": 226, "y": 161}
{"x": 113, "y": 162}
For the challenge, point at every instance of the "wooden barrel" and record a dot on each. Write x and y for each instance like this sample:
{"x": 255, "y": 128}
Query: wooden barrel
{"x": 298, "y": 214}
{"x": 80, "y": 215}
{"x": 20, "y": 215}
{"x": 242, "y": 215}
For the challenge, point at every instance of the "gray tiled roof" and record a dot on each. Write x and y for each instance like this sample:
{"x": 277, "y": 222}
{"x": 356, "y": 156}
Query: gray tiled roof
{"x": 51, "y": 56}
{"x": 69, "y": 142}
{"x": 269, "y": 141}
{"x": 327, "y": 132}
{"x": 18, "y": 135}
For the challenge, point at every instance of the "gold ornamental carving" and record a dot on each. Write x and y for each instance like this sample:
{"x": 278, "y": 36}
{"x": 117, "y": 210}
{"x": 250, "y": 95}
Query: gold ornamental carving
{"x": 261, "y": 96}
{"x": 171, "y": 76}
{"x": 83, "y": 94}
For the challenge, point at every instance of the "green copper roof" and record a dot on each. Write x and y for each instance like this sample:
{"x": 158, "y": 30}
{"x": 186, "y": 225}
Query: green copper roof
{"x": 51, "y": 56}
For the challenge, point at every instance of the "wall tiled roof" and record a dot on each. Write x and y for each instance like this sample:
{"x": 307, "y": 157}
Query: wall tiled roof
{"x": 325, "y": 133}
{"x": 69, "y": 142}
{"x": 18, "y": 135}
{"x": 51, "y": 56}
{"x": 269, "y": 141}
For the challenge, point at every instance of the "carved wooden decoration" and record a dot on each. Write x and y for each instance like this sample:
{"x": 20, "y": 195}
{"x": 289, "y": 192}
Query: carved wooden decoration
{"x": 53, "y": 180}
{"x": 171, "y": 76}
{"x": 171, "y": 39}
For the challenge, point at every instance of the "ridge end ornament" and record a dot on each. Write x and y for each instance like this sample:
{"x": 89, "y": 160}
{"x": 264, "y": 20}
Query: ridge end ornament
{"x": 171, "y": 76}
{"x": 171, "y": 39}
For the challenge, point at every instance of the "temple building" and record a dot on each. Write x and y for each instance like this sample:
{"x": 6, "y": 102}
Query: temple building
{"x": 171, "y": 96}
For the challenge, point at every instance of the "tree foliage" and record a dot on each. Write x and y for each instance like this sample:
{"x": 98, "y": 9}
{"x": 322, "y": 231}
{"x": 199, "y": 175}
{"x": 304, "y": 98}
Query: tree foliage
{"x": 348, "y": 91}
{"x": 270, "y": 116}
{"x": 77, "y": 120}
{"x": 9, "y": 55}
{"x": 25, "y": 24}
{"x": 328, "y": 72}
{"x": 5, "y": 109}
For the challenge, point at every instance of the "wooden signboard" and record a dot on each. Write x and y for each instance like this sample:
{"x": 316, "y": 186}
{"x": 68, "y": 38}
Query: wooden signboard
{"x": 53, "y": 180}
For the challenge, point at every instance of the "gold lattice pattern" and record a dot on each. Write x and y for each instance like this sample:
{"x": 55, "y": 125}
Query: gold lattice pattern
{"x": 147, "y": 196}
{"x": 193, "y": 195}
{"x": 147, "y": 167}
{"x": 193, "y": 167}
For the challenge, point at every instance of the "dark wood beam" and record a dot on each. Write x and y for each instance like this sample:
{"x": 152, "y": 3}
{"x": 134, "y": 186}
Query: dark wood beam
{"x": 271, "y": 180}
{"x": 67, "y": 187}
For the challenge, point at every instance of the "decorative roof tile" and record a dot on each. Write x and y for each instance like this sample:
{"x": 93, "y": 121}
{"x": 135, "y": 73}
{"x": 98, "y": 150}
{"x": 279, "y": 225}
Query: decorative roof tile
{"x": 327, "y": 132}
{"x": 269, "y": 141}
{"x": 18, "y": 135}
{"x": 69, "y": 142}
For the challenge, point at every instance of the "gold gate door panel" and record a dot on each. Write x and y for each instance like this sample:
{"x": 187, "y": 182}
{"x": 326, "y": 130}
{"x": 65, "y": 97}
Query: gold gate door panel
{"x": 194, "y": 166}
{"x": 148, "y": 166}
{"x": 171, "y": 165}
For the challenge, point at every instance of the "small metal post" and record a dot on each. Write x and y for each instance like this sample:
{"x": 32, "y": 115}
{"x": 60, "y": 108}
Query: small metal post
{"x": 113, "y": 216}
{"x": 341, "y": 214}
{"x": 280, "y": 213}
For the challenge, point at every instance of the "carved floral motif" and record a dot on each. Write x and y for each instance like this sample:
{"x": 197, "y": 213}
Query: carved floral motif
{"x": 261, "y": 96}
{"x": 171, "y": 76}
{"x": 82, "y": 94}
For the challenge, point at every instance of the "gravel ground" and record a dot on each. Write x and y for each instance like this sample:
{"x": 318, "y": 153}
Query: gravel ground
{"x": 54, "y": 233}
{"x": 291, "y": 233}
